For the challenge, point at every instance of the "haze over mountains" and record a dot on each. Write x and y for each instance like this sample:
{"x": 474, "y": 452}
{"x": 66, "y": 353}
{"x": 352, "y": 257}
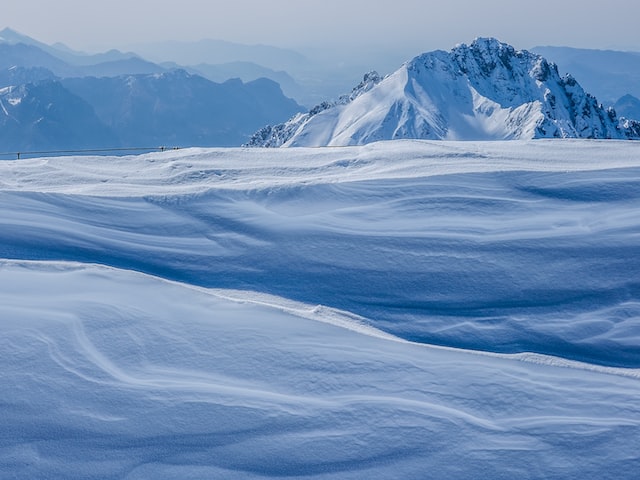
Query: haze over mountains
{"x": 56, "y": 98}
{"x": 120, "y": 100}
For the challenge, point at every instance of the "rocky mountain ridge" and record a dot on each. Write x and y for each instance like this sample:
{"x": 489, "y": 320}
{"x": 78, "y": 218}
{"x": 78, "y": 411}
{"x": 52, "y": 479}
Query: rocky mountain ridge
{"x": 483, "y": 91}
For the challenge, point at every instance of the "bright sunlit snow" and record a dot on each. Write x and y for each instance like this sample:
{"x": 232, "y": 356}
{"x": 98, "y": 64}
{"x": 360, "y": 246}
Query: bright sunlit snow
{"x": 403, "y": 310}
{"x": 483, "y": 91}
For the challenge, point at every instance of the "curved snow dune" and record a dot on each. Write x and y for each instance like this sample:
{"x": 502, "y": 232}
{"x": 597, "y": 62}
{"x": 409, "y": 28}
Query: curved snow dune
{"x": 504, "y": 247}
{"x": 114, "y": 374}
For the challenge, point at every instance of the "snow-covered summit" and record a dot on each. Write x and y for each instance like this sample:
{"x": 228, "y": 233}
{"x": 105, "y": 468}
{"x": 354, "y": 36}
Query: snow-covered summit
{"x": 487, "y": 90}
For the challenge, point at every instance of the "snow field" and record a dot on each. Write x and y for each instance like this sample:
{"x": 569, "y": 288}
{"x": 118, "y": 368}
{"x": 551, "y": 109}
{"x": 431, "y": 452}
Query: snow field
{"x": 250, "y": 313}
{"x": 506, "y": 247}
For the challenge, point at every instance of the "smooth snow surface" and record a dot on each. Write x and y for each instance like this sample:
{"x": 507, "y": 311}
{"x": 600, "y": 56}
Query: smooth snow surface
{"x": 252, "y": 313}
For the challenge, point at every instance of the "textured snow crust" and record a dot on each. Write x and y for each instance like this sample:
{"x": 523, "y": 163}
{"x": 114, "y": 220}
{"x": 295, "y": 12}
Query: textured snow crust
{"x": 252, "y": 313}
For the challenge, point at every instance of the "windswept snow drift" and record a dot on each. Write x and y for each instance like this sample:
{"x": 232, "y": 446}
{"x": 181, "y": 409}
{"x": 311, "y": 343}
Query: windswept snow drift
{"x": 266, "y": 334}
{"x": 108, "y": 373}
{"x": 493, "y": 246}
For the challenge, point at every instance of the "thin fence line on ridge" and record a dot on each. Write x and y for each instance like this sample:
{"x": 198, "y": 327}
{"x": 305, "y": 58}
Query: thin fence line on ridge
{"x": 20, "y": 154}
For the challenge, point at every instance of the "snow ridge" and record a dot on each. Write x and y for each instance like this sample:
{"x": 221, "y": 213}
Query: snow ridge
{"x": 483, "y": 91}
{"x": 277, "y": 135}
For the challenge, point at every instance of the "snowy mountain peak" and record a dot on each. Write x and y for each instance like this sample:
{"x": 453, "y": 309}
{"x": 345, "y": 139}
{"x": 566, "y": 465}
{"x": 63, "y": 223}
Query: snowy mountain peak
{"x": 487, "y": 90}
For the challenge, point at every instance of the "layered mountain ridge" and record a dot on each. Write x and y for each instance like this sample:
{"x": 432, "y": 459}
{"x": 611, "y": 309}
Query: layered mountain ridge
{"x": 39, "y": 111}
{"x": 487, "y": 90}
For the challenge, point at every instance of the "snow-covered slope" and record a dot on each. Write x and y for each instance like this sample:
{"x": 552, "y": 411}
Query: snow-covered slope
{"x": 269, "y": 313}
{"x": 486, "y": 90}
{"x": 113, "y": 374}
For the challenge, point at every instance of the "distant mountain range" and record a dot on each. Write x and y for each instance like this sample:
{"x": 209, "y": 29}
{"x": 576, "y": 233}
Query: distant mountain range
{"x": 309, "y": 77}
{"x": 22, "y": 51}
{"x": 53, "y": 97}
{"x": 209, "y": 51}
{"x": 179, "y": 108}
{"x": 47, "y": 103}
{"x": 483, "y": 91}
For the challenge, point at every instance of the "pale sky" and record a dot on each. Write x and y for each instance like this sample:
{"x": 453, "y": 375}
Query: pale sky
{"x": 415, "y": 24}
